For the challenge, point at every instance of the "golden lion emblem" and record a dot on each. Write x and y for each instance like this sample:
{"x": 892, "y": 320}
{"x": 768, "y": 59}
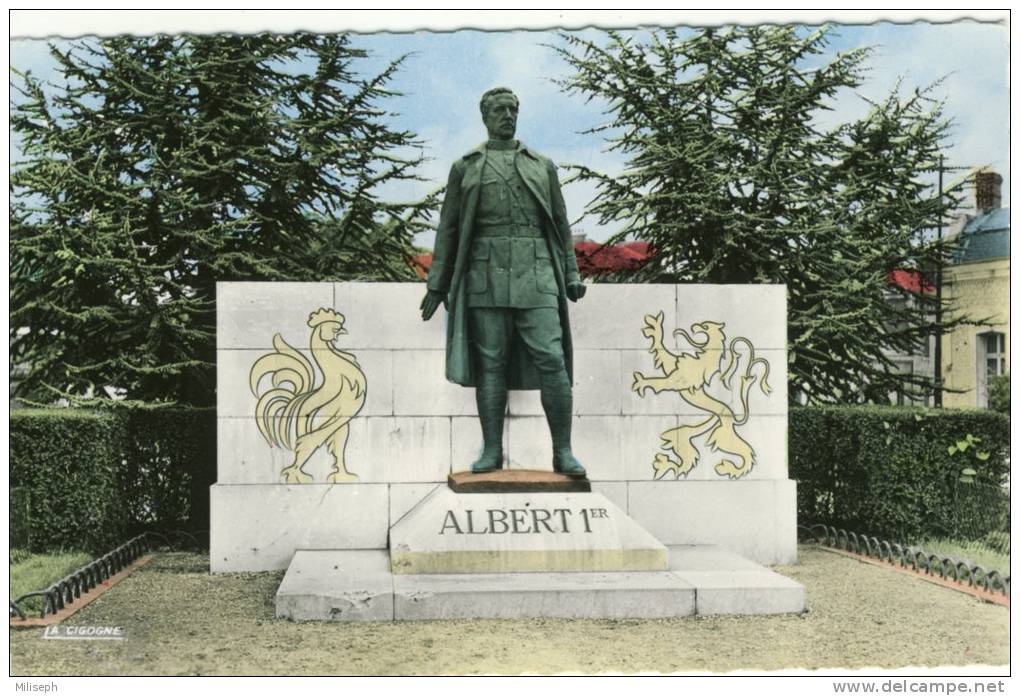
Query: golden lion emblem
{"x": 688, "y": 375}
{"x": 299, "y": 416}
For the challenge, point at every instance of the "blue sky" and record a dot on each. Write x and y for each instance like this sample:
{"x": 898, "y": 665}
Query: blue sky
{"x": 447, "y": 72}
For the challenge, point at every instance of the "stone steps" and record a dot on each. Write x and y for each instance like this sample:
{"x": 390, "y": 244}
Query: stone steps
{"x": 346, "y": 585}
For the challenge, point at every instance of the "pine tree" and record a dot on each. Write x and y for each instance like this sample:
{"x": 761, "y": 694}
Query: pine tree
{"x": 730, "y": 178}
{"x": 156, "y": 166}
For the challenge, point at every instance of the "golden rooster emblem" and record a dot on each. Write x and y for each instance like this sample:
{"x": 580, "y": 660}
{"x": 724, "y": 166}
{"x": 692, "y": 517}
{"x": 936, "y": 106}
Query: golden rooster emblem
{"x": 688, "y": 375}
{"x": 297, "y": 415}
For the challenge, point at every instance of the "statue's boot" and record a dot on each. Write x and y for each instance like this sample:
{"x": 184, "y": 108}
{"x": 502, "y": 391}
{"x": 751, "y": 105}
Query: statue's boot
{"x": 557, "y": 402}
{"x": 564, "y": 462}
{"x": 490, "y": 397}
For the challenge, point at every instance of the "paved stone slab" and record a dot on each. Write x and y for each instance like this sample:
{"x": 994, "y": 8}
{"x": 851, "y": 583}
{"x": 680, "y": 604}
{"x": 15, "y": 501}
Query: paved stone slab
{"x": 520, "y": 532}
{"x": 466, "y": 440}
{"x": 649, "y": 595}
{"x": 248, "y": 314}
{"x": 420, "y": 387}
{"x": 757, "y": 312}
{"x": 591, "y": 326}
{"x": 378, "y": 449}
{"x": 404, "y": 496}
{"x": 745, "y": 592}
{"x": 708, "y": 558}
{"x": 388, "y": 315}
{"x": 255, "y": 527}
{"x": 597, "y": 386}
{"x": 756, "y": 519}
{"x": 517, "y": 481}
{"x": 337, "y": 586}
{"x": 596, "y": 444}
{"x": 357, "y": 585}
{"x": 400, "y": 449}
{"x": 614, "y": 490}
{"x": 727, "y": 583}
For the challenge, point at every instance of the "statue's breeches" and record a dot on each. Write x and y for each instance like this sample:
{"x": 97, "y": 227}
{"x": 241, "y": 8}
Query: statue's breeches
{"x": 492, "y": 331}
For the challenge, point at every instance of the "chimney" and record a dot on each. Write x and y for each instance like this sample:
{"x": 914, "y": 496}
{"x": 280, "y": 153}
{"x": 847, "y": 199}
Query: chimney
{"x": 987, "y": 191}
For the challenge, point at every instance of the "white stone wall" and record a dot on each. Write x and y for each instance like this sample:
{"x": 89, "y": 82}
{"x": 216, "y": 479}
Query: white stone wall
{"x": 415, "y": 427}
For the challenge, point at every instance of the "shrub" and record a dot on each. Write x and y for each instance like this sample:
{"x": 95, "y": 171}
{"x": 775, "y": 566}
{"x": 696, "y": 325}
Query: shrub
{"x": 18, "y": 530}
{"x": 998, "y": 393}
{"x": 171, "y": 465}
{"x": 91, "y": 479}
{"x": 901, "y": 473}
{"x": 67, "y": 462}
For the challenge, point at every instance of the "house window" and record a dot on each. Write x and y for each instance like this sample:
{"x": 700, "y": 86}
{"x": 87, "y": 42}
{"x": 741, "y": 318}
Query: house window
{"x": 902, "y": 367}
{"x": 991, "y": 362}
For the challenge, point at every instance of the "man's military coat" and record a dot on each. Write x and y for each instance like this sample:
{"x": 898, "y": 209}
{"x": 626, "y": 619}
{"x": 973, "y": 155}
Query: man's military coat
{"x": 451, "y": 258}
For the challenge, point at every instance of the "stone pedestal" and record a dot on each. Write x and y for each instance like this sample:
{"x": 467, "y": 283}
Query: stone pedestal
{"x": 452, "y": 532}
{"x": 527, "y": 554}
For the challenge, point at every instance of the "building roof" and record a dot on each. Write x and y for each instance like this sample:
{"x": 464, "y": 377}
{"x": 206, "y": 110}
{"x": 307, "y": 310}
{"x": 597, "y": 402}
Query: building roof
{"x": 593, "y": 258}
{"x": 912, "y": 281}
{"x": 984, "y": 237}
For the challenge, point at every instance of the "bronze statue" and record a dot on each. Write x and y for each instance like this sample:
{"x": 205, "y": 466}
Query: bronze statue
{"x": 504, "y": 263}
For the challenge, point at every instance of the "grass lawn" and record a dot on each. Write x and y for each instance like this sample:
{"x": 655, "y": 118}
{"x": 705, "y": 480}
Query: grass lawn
{"x": 31, "y": 572}
{"x": 179, "y": 619}
{"x": 978, "y": 554}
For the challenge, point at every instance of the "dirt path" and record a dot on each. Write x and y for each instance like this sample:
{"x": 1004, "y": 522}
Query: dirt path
{"x": 181, "y": 620}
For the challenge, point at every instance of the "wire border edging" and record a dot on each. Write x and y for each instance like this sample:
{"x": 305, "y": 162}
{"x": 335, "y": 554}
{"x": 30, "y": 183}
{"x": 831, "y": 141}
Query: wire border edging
{"x": 72, "y": 586}
{"x": 914, "y": 557}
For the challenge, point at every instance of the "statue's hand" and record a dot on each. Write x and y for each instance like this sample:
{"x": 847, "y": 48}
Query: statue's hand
{"x": 575, "y": 291}
{"x": 430, "y": 303}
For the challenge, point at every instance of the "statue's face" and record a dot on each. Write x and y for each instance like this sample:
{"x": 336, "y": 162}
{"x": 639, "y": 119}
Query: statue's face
{"x": 500, "y": 116}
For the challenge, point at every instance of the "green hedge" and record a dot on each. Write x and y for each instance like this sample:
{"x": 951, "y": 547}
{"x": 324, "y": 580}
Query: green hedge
{"x": 173, "y": 463}
{"x": 68, "y": 462}
{"x": 899, "y": 473}
{"x": 91, "y": 479}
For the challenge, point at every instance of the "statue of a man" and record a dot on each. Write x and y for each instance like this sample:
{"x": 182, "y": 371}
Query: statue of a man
{"x": 504, "y": 262}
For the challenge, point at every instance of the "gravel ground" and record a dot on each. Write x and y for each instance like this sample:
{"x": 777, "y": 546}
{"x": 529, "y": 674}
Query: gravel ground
{"x": 182, "y": 620}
